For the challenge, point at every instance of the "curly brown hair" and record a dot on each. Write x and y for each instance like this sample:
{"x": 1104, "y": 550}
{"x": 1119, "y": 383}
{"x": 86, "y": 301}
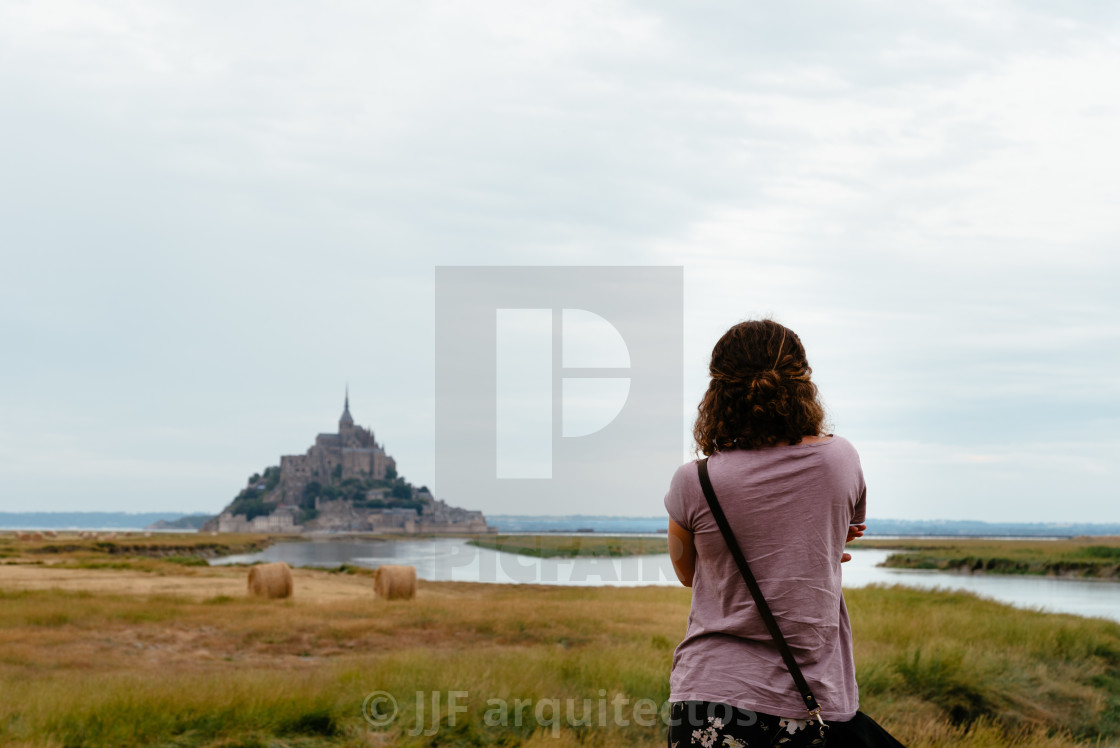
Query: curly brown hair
{"x": 760, "y": 394}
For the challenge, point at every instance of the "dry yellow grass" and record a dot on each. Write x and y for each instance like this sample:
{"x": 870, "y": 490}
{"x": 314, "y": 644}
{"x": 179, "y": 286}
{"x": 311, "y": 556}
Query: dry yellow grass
{"x": 93, "y": 657}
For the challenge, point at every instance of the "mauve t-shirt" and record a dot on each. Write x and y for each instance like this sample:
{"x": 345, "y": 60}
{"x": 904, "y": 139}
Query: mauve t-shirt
{"x": 789, "y": 507}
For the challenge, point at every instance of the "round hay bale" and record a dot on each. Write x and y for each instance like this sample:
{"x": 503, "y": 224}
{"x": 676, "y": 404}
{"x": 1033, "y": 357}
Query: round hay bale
{"x": 35, "y": 536}
{"x": 395, "y": 582}
{"x": 21, "y": 536}
{"x": 271, "y": 580}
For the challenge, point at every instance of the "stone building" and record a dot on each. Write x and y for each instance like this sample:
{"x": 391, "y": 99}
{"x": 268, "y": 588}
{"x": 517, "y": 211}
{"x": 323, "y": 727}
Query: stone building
{"x": 353, "y": 451}
{"x": 283, "y": 520}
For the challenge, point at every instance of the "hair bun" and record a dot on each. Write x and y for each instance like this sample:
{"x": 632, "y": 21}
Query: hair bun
{"x": 766, "y": 380}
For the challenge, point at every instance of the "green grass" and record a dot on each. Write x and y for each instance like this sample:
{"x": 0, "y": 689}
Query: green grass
{"x": 158, "y": 553}
{"x": 1076, "y": 557}
{"x": 351, "y": 569}
{"x": 92, "y": 669}
{"x": 571, "y": 546}
{"x": 156, "y": 546}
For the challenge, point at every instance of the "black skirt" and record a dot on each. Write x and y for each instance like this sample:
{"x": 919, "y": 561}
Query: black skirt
{"x": 710, "y": 724}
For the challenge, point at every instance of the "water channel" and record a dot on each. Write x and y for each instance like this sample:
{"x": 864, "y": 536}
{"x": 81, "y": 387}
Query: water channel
{"x": 452, "y": 559}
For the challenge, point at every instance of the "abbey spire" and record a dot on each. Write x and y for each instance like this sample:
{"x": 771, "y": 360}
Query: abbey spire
{"x": 346, "y": 419}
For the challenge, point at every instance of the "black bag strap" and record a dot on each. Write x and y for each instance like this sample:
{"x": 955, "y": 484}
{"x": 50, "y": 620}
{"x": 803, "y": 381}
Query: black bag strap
{"x": 763, "y": 609}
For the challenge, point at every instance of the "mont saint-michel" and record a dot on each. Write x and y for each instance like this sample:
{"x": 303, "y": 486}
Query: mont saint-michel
{"x": 345, "y": 482}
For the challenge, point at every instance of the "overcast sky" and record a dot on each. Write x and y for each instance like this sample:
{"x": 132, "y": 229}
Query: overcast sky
{"x": 214, "y": 215}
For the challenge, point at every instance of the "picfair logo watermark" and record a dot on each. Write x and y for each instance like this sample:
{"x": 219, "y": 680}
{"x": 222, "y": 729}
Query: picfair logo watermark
{"x": 558, "y": 388}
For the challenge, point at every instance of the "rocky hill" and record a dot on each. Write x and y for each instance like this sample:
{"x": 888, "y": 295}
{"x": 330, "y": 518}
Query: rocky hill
{"x": 344, "y": 482}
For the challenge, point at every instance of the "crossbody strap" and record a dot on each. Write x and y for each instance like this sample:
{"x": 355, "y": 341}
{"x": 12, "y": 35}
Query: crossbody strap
{"x": 759, "y": 601}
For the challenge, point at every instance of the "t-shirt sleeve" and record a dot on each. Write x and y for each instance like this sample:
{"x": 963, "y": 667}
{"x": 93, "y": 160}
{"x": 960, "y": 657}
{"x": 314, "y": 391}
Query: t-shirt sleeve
{"x": 859, "y": 511}
{"x": 677, "y": 501}
{"x": 859, "y": 516}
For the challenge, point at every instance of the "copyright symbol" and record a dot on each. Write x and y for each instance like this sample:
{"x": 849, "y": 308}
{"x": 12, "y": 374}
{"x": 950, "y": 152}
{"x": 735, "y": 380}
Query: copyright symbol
{"x": 379, "y": 709}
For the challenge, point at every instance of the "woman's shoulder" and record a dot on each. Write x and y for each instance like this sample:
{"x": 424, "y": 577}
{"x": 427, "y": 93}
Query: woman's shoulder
{"x": 841, "y": 441}
{"x": 686, "y": 473}
{"x": 840, "y": 444}
{"x": 683, "y": 498}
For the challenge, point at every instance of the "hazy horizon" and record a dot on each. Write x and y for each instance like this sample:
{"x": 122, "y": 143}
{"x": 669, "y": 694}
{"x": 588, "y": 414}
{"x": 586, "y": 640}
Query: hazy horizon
{"x": 544, "y": 519}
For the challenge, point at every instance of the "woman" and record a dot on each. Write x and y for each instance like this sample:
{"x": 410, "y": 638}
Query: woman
{"x": 793, "y": 497}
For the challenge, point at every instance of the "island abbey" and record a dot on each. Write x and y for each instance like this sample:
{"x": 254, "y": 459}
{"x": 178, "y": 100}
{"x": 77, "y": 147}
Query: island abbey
{"x": 344, "y": 482}
{"x": 351, "y": 453}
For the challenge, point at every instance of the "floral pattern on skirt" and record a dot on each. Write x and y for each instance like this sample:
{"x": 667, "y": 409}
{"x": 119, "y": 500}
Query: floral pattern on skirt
{"x": 709, "y": 724}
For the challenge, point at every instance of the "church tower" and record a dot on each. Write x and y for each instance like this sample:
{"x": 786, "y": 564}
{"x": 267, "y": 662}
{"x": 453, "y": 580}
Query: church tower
{"x": 346, "y": 422}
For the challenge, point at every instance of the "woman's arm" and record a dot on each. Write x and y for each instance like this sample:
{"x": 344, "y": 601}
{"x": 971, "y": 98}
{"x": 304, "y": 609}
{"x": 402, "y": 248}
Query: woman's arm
{"x": 682, "y": 552}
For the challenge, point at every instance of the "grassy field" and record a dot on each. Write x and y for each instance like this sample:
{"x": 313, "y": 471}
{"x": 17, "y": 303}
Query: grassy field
{"x": 73, "y": 547}
{"x": 1074, "y": 557}
{"x": 180, "y": 656}
{"x": 570, "y": 546}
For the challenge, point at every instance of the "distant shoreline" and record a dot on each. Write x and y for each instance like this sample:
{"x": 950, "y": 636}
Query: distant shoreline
{"x": 591, "y": 524}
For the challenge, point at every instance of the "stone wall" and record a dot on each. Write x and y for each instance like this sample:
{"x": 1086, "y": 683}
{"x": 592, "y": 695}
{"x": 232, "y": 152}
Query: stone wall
{"x": 439, "y": 517}
{"x": 280, "y": 521}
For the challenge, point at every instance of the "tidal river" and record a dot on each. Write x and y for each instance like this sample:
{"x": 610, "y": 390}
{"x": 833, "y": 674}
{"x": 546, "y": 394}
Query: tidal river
{"x": 452, "y": 559}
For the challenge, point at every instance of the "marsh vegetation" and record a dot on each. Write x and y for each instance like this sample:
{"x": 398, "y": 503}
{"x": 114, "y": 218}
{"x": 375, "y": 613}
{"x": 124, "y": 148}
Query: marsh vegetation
{"x": 1070, "y": 557}
{"x": 159, "y": 653}
{"x": 181, "y": 656}
{"x": 571, "y": 546}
